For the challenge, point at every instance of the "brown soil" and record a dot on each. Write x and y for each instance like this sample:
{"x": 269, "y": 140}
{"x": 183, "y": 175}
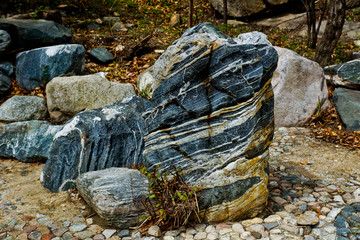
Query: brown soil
{"x": 20, "y": 184}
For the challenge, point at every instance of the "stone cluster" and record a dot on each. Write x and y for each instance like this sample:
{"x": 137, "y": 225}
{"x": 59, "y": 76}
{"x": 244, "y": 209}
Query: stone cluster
{"x": 211, "y": 114}
{"x": 299, "y": 208}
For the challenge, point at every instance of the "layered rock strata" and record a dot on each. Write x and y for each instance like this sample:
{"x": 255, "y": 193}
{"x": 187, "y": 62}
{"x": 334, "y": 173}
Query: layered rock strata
{"x": 94, "y": 140}
{"x": 115, "y": 194}
{"x": 213, "y": 119}
{"x": 211, "y": 116}
{"x": 27, "y": 141}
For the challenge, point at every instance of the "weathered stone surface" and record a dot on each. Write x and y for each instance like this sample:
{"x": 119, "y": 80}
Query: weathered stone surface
{"x": 347, "y": 104}
{"x": 288, "y": 21}
{"x": 115, "y": 194}
{"x": 211, "y": 115}
{"x": 299, "y": 88}
{"x": 239, "y": 8}
{"x": 27, "y": 141}
{"x": 145, "y": 82}
{"x": 213, "y": 118}
{"x": 254, "y": 38}
{"x": 47, "y": 63}
{"x": 27, "y": 34}
{"x": 308, "y": 218}
{"x": 67, "y": 96}
{"x": 5, "y": 40}
{"x": 95, "y": 140}
{"x": 23, "y": 108}
{"x": 243, "y": 8}
{"x": 344, "y": 75}
{"x": 5, "y": 83}
{"x": 101, "y": 54}
{"x": 7, "y": 68}
{"x": 119, "y": 26}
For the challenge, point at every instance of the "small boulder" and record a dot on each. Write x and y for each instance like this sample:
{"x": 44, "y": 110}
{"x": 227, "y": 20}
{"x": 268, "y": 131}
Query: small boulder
{"x": 344, "y": 75}
{"x": 28, "y": 34}
{"x": 67, "y": 96}
{"x": 23, "y": 108}
{"x": 93, "y": 26}
{"x": 5, "y": 40}
{"x": 115, "y": 194}
{"x": 245, "y": 8}
{"x": 5, "y": 84}
{"x": 119, "y": 26}
{"x": 347, "y": 104}
{"x": 254, "y": 38}
{"x": 47, "y": 63}
{"x": 299, "y": 88}
{"x": 7, "y": 68}
{"x": 145, "y": 83}
{"x": 101, "y": 54}
{"x": 111, "y": 19}
{"x": 27, "y": 141}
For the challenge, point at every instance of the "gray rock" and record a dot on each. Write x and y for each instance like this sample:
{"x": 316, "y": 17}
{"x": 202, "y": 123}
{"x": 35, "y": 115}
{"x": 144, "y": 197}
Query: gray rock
{"x": 290, "y": 21}
{"x": 243, "y": 8}
{"x": 115, "y": 195}
{"x": 344, "y": 75}
{"x": 36, "y": 235}
{"x": 211, "y": 115}
{"x": 28, "y": 34}
{"x": 145, "y": 82}
{"x": 213, "y": 101}
{"x": 5, "y": 84}
{"x": 299, "y": 88}
{"x": 119, "y": 26}
{"x": 84, "y": 234}
{"x": 67, "y": 96}
{"x": 101, "y": 54}
{"x": 154, "y": 231}
{"x": 23, "y": 108}
{"x": 93, "y": 26}
{"x": 254, "y": 38}
{"x": 7, "y": 68}
{"x": 124, "y": 233}
{"x": 27, "y": 141}
{"x": 111, "y": 19}
{"x": 78, "y": 227}
{"x": 47, "y": 63}
{"x": 95, "y": 140}
{"x": 347, "y": 104}
{"x": 5, "y": 40}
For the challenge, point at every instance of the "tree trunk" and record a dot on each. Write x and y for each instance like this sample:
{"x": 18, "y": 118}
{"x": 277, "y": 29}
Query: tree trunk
{"x": 225, "y": 11}
{"x": 191, "y": 12}
{"x": 352, "y": 4}
{"x": 332, "y": 32}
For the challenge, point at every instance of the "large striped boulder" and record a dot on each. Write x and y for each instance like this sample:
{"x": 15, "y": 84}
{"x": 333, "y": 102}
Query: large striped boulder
{"x": 211, "y": 116}
{"x": 213, "y": 119}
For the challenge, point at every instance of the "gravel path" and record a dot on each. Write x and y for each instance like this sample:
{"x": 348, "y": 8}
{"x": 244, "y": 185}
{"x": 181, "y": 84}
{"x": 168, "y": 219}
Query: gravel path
{"x": 314, "y": 194}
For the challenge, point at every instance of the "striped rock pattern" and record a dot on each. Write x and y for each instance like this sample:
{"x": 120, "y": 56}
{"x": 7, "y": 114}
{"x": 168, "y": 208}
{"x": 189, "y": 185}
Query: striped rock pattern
{"x": 95, "y": 140}
{"x": 213, "y": 118}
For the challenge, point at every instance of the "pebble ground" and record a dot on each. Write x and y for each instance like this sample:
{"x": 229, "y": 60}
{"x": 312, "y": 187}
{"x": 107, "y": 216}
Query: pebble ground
{"x": 299, "y": 207}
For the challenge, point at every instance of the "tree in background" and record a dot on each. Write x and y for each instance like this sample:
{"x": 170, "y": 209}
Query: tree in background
{"x": 311, "y": 17}
{"x": 191, "y": 13}
{"x": 225, "y": 11}
{"x": 336, "y": 18}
